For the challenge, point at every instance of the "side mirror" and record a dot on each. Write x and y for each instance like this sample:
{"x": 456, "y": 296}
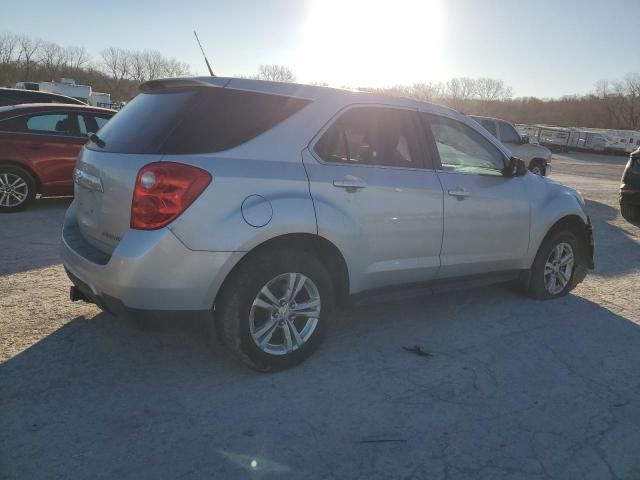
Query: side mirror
{"x": 524, "y": 139}
{"x": 515, "y": 168}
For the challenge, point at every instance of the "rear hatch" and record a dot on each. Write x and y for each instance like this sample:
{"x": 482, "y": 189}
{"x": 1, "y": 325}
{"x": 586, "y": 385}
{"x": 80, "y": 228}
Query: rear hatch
{"x": 168, "y": 118}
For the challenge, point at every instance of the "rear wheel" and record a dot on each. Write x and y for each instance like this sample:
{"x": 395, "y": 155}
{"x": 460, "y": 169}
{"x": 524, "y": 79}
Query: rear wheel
{"x": 17, "y": 188}
{"x": 274, "y": 309}
{"x": 554, "y": 267}
{"x": 631, "y": 213}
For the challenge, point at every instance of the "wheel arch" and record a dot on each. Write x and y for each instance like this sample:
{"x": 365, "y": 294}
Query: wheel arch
{"x": 324, "y": 249}
{"x": 571, "y": 222}
{"x": 36, "y": 177}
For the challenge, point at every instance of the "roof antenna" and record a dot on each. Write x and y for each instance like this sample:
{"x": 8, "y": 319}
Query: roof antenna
{"x": 204, "y": 54}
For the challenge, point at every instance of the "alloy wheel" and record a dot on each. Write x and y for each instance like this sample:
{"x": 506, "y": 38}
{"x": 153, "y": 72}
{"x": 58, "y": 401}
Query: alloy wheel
{"x": 285, "y": 313}
{"x": 13, "y": 190}
{"x": 558, "y": 268}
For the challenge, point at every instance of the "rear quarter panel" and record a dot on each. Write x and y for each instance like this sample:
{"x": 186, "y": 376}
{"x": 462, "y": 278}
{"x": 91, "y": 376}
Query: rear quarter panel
{"x": 11, "y": 148}
{"x": 215, "y": 221}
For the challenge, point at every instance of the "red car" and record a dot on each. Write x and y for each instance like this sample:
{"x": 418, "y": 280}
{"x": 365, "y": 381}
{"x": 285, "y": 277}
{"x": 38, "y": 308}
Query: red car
{"x": 39, "y": 143}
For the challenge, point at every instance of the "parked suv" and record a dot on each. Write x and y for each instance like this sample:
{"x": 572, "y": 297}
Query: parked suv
{"x": 537, "y": 157}
{"x": 630, "y": 188}
{"x": 19, "y": 96}
{"x": 264, "y": 205}
{"x": 39, "y": 144}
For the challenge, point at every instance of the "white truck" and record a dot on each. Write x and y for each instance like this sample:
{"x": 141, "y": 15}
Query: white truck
{"x": 537, "y": 157}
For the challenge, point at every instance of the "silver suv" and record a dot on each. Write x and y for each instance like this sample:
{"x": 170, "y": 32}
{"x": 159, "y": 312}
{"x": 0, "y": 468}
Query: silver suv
{"x": 536, "y": 157}
{"x": 264, "y": 206}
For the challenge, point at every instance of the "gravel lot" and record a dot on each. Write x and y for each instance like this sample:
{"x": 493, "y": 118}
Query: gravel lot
{"x": 515, "y": 389}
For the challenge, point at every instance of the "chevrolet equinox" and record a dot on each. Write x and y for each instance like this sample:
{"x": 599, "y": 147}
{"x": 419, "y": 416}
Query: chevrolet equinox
{"x": 264, "y": 205}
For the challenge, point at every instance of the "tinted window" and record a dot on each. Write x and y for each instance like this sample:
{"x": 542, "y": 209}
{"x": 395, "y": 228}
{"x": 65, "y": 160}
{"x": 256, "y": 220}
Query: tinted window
{"x": 101, "y": 121}
{"x": 90, "y": 123}
{"x": 51, "y": 123}
{"x": 44, "y": 124}
{"x": 490, "y": 126}
{"x": 372, "y": 136}
{"x": 463, "y": 149}
{"x": 508, "y": 134}
{"x": 196, "y": 120}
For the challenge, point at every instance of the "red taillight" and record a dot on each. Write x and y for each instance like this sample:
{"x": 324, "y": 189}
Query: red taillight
{"x": 163, "y": 191}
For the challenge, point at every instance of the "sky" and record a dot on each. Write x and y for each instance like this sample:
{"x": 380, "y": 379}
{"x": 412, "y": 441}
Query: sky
{"x": 542, "y": 48}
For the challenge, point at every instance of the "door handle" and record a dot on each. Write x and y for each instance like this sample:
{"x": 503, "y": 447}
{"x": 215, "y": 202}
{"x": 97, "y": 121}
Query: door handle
{"x": 350, "y": 183}
{"x": 460, "y": 193}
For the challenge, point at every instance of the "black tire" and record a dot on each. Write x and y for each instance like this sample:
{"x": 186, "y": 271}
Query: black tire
{"x": 11, "y": 172}
{"x": 233, "y": 307}
{"x": 630, "y": 213}
{"x": 539, "y": 165}
{"x": 537, "y": 288}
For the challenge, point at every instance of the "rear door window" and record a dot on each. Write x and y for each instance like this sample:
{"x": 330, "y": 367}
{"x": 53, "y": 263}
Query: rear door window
{"x": 490, "y": 126}
{"x": 195, "y": 120}
{"x": 508, "y": 134}
{"x": 373, "y": 136}
{"x": 58, "y": 123}
{"x": 90, "y": 123}
{"x": 52, "y": 124}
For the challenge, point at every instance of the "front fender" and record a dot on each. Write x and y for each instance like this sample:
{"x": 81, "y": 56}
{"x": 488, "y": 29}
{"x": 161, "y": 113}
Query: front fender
{"x": 556, "y": 202}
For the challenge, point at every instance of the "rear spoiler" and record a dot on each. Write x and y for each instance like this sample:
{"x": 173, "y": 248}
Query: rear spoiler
{"x": 163, "y": 83}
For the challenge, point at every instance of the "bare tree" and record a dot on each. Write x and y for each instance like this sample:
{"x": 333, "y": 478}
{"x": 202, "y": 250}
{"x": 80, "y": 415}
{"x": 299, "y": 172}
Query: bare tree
{"x": 52, "y": 57}
{"x": 116, "y": 62}
{"x": 460, "y": 91}
{"x": 613, "y": 99}
{"x": 490, "y": 89}
{"x": 77, "y": 57}
{"x": 175, "y": 68}
{"x": 29, "y": 49}
{"x": 427, "y": 92}
{"x": 8, "y": 58}
{"x": 276, "y": 73}
{"x": 629, "y": 88}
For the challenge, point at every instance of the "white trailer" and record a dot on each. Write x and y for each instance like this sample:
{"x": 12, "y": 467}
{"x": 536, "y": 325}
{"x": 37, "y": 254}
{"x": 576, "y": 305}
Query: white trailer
{"x": 68, "y": 87}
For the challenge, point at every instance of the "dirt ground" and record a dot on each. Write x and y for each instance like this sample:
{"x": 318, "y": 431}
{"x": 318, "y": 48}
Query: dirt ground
{"x": 516, "y": 388}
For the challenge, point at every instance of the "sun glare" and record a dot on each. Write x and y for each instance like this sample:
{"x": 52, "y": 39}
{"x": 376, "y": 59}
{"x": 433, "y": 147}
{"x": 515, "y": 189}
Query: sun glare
{"x": 372, "y": 43}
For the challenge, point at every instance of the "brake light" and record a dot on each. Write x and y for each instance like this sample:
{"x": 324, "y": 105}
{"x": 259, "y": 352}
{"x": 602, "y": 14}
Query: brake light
{"x": 163, "y": 191}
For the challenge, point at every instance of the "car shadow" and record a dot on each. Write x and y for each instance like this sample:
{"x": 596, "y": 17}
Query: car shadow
{"x": 613, "y": 237}
{"x": 521, "y": 385}
{"x": 30, "y": 239}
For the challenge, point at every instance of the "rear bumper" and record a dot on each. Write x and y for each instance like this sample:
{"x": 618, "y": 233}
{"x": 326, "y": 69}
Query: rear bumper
{"x": 149, "y": 270}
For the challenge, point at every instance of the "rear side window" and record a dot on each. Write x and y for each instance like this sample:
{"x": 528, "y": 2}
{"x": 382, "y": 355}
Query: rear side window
{"x": 508, "y": 134}
{"x": 90, "y": 123}
{"x": 43, "y": 124}
{"x": 490, "y": 126}
{"x": 195, "y": 120}
{"x": 373, "y": 136}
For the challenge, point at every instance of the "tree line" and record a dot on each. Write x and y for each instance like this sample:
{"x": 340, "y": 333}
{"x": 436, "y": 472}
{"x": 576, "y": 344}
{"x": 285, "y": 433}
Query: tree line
{"x": 612, "y": 104}
{"x": 117, "y": 71}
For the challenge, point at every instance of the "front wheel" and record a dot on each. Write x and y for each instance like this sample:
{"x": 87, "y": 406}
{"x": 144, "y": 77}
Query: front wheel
{"x": 274, "y": 309}
{"x": 555, "y": 265}
{"x": 538, "y": 168}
